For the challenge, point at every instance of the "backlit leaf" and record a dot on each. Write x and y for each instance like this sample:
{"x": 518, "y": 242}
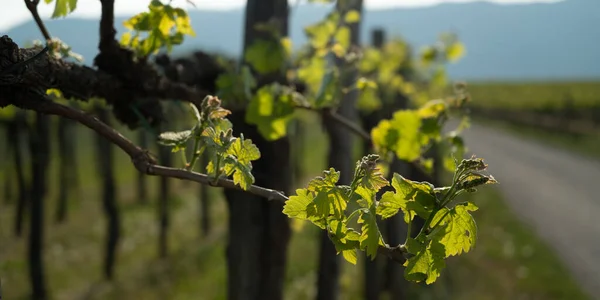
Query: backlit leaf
{"x": 458, "y": 231}
{"x": 352, "y": 16}
{"x": 265, "y": 56}
{"x": 427, "y": 262}
{"x": 270, "y": 110}
{"x": 370, "y": 235}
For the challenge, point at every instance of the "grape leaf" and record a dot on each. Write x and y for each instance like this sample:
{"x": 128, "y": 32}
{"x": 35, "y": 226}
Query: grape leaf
{"x": 455, "y": 51}
{"x": 320, "y": 33}
{"x": 352, "y": 16}
{"x": 370, "y": 235}
{"x": 371, "y": 60}
{"x": 239, "y": 162}
{"x": 433, "y": 109}
{"x": 176, "y": 140}
{"x": 8, "y": 113}
{"x": 370, "y": 175}
{"x": 427, "y": 262}
{"x": 311, "y": 71}
{"x": 295, "y": 206}
{"x": 368, "y": 98}
{"x": 389, "y": 205}
{"x": 328, "y": 89}
{"x": 330, "y": 199}
{"x": 409, "y": 196}
{"x": 63, "y": 7}
{"x": 270, "y": 110}
{"x": 266, "y": 56}
{"x": 458, "y": 231}
{"x": 342, "y": 36}
{"x": 345, "y": 240}
{"x": 401, "y": 135}
{"x": 428, "y": 55}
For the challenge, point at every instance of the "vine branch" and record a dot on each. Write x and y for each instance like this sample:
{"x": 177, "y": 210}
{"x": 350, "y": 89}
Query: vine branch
{"x": 142, "y": 160}
{"x": 348, "y": 124}
{"x": 32, "y": 7}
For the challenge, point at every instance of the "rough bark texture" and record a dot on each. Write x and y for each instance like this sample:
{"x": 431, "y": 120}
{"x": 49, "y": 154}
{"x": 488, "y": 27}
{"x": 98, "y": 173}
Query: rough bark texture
{"x": 67, "y": 167}
{"x": 17, "y": 132}
{"x": 40, "y": 147}
{"x": 163, "y": 204}
{"x": 258, "y": 231}
{"x": 109, "y": 202}
{"x": 341, "y": 157}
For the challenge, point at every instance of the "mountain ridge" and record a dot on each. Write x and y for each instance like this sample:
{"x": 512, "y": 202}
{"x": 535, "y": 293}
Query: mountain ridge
{"x": 540, "y": 41}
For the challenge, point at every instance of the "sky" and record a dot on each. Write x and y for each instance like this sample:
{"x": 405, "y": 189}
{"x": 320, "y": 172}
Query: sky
{"x": 14, "y": 12}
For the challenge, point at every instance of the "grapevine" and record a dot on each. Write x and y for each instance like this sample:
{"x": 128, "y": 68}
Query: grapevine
{"x": 348, "y": 213}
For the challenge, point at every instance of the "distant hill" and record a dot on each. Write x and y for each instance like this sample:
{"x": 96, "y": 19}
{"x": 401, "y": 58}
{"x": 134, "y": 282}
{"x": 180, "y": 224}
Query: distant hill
{"x": 504, "y": 42}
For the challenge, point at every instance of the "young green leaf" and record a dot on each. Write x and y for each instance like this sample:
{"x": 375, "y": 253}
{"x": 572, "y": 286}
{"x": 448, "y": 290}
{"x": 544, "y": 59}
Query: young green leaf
{"x": 295, "y": 206}
{"x": 427, "y": 262}
{"x": 270, "y": 110}
{"x": 176, "y": 140}
{"x": 401, "y": 135}
{"x": 345, "y": 240}
{"x": 352, "y": 16}
{"x": 62, "y": 7}
{"x": 342, "y": 36}
{"x": 369, "y": 174}
{"x": 458, "y": 231}
{"x": 239, "y": 162}
{"x": 409, "y": 196}
{"x": 330, "y": 199}
{"x": 455, "y": 51}
{"x": 370, "y": 235}
{"x": 266, "y": 56}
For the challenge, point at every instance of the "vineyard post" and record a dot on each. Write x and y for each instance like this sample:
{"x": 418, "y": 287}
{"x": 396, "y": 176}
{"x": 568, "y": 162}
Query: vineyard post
{"x": 109, "y": 201}
{"x": 204, "y": 205}
{"x": 68, "y": 182}
{"x": 18, "y": 132}
{"x": 142, "y": 185}
{"x": 258, "y": 232}
{"x": 165, "y": 158}
{"x": 341, "y": 153}
{"x": 373, "y": 275}
{"x": 40, "y": 156}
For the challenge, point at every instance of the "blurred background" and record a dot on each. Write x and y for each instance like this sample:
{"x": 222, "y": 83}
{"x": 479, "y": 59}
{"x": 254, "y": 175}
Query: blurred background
{"x": 532, "y": 69}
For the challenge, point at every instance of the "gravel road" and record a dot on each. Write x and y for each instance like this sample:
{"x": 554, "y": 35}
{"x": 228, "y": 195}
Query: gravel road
{"x": 554, "y": 191}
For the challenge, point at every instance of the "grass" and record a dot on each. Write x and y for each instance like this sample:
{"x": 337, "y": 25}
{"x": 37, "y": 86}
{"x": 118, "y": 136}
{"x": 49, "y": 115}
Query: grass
{"x": 549, "y": 96}
{"x": 509, "y": 262}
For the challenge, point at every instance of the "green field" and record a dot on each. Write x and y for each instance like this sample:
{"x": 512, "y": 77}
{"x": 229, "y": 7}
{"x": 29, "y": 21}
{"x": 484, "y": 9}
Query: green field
{"x": 509, "y": 262}
{"x": 536, "y": 96}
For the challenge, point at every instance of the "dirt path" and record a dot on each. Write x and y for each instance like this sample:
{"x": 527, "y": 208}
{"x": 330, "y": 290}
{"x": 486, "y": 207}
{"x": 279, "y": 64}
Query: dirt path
{"x": 554, "y": 191}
